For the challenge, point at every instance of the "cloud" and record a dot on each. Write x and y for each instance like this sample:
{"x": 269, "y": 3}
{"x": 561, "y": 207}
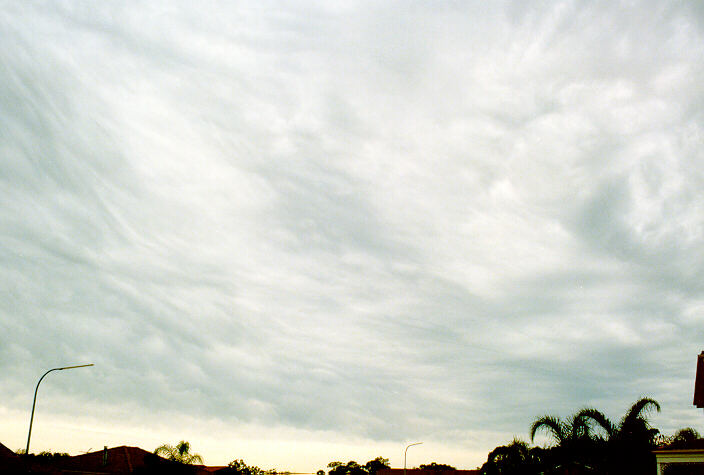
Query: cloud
{"x": 384, "y": 221}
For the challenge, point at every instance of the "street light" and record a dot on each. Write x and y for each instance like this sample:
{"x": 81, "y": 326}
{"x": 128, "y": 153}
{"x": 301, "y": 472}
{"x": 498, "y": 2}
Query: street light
{"x": 34, "y": 403}
{"x": 404, "y": 455}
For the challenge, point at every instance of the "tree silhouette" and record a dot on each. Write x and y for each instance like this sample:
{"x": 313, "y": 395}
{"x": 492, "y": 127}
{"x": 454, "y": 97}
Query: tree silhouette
{"x": 350, "y": 468}
{"x": 516, "y": 458}
{"x": 180, "y": 453}
{"x": 589, "y": 442}
{"x": 378, "y": 463}
{"x": 442, "y": 467}
{"x": 238, "y": 467}
{"x": 682, "y": 439}
{"x": 575, "y": 446}
{"x": 633, "y": 442}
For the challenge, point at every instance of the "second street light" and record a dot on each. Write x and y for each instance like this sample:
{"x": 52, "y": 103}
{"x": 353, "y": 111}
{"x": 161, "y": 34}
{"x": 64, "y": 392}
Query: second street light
{"x": 34, "y": 403}
{"x": 406, "y": 452}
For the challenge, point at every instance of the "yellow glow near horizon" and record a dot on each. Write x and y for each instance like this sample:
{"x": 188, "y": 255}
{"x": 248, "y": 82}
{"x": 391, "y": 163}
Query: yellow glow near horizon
{"x": 282, "y": 448}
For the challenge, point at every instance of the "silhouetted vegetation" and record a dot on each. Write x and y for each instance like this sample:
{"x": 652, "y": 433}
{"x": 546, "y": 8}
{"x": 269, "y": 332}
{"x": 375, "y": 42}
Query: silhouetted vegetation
{"x": 43, "y": 458}
{"x": 437, "y": 466}
{"x": 515, "y": 458}
{"x": 350, "y": 468}
{"x": 588, "y": 443}
{"x": 683, "y": 438}
{"x": 353, "y": 468}
{"x": 181, "y": 453}
{"x": 239, "y": 467}
{"x": 378, "y": 463}
{"x": 371, "y": 467}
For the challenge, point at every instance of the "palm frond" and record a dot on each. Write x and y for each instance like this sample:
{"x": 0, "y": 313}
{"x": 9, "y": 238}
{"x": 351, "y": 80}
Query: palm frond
{"x": 590, "y": 414}
{"x": 183, "y": 447}
{"x": 166, "y": 450}
{"x": 550, "y": 424}
{"x": 637, "y": 411}
{"x": 179, "y": 453}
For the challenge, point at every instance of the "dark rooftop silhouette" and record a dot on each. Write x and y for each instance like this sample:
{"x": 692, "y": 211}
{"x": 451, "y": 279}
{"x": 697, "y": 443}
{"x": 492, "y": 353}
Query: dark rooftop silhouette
{"x": 699, "y": 382}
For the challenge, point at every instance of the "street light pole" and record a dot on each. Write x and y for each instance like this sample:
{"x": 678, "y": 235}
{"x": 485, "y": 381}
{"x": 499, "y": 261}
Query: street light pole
{"x": 404, "y": 455}
{"x": 34, "y": 403}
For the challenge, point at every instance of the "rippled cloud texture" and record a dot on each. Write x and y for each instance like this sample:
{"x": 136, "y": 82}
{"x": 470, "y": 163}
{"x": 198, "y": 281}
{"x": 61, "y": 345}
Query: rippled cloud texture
{"x": 378, "y": 222}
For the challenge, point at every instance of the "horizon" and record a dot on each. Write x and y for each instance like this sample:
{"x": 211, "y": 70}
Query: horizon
{"x": 428, "y": 457}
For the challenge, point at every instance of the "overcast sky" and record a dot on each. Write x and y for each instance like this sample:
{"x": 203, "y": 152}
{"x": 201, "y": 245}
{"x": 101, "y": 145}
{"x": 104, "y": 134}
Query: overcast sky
{"x": 311, "y": 231}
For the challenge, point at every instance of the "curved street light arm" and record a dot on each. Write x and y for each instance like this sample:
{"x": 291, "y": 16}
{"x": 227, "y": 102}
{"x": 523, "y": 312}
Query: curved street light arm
{"x": 406, "y": 452}
{"x": 34, "y": 402}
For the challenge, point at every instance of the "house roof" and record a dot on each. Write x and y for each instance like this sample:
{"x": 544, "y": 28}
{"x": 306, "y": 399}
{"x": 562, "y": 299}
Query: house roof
{"x": 125, "y": 459}
{"x": 117, "y": 460}
{"x": 5, "y": 452}
{"x": 10, "y": 462}
{"x": 205, "y": 469}
{"x": 121, "y": 459}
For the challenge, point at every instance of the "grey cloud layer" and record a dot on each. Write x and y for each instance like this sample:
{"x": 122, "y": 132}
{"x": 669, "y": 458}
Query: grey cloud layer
{"x": 337, "y": 216}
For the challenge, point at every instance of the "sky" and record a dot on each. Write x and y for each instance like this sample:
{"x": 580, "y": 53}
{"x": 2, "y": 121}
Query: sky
{"x": 300, "y": 232}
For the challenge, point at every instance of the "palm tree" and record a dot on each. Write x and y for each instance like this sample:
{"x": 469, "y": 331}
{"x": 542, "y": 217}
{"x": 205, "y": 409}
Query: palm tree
{"x": 562, "y": 431}
{"x": 181, "y": 453}
{"x": 635, "y": 423}
{"x": 590, "y": 416}
{"x": 682, "y": 439}
{"x": 632, "y": 444}
{"x": 623, "y": 448}
{"x": 516, "y": 458}
{"x": 575, "y": 447}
